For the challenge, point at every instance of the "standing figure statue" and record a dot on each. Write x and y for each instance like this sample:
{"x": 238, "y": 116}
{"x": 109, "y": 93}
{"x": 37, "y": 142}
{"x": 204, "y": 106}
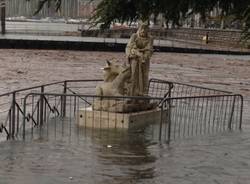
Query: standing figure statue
{"x": 139, "y": 51}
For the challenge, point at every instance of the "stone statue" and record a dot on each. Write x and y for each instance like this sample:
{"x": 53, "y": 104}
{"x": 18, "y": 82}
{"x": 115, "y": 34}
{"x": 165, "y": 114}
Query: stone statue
{"x": 139, "y": 51}
{"x": 116, "y": 82}
{"x": 115, "y": 76}
{"x": 129, "y": 80}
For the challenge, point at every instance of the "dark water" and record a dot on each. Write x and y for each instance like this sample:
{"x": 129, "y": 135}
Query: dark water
{"x": 66, "y": 154}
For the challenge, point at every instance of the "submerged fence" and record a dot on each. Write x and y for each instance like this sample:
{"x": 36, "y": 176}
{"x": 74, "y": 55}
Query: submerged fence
{"x": 11, "y": 104}
{"x": 179, "y": 111}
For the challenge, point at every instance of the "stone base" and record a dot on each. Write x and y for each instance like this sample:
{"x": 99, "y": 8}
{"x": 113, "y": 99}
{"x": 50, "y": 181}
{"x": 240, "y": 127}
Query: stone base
{"x": 123, "y": 106}
{"x": 102, "y": 119}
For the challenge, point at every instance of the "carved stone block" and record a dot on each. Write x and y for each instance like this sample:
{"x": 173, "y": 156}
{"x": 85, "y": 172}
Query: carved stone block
{"x": 103, "y": 119}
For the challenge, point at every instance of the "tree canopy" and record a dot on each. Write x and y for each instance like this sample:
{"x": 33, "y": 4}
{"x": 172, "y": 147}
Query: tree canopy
{"x": 246, "y": 19}
{"x": 109, "y": 11}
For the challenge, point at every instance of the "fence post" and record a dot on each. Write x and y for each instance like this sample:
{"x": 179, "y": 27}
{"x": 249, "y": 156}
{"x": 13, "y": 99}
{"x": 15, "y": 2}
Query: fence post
{"x": 63, "y": 100}
{"x": 24, "y": 116}
{"x": 41, "y": 106}
{"x": 231, "y": 115}
{"x": 13, "y": 116}
{"x": 10, "y": 123}
{"x": 169, "y": 121}
{"x": 170, "y": 86}
{"x": 160, "y": 130}
{"x": 241, "y": 111}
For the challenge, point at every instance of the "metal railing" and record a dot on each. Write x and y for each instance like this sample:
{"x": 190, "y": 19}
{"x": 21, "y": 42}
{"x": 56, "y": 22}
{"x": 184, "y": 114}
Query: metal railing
{"x": 159, "y": 88}
{"x": 180, "y": 110}
{"x": 202, "y": 115}
{"x": 79, "y": 110}
{"x": 11, "y": 104}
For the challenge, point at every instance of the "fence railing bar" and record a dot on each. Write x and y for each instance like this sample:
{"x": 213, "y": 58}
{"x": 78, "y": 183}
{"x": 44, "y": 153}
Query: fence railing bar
{"x": 161, "y": 119}
{"x": 184, "y": 117}
{"x": 231, "y": 114}
{"x": 55, "y": 117}
{"x": 48, "y": 104}
{"x": 2, "y": 127}
{"x": 241, "y": 110}
{"x": 26, "y": 89}
{"x": 213, "y": 119}
{"x": 225, "y": 113}
{"x": 201, "y": 115}
{"x": 236, "y": 116}
{"x": 192, "y": 115}
{"x": 169, "y": 122}
{"x": 220, "y": 114}
{"x": 41, "y": 114}
{"x": 17, "y": 126}
{"x": 227, "y": 92}
{"x": 10, "y": 124}
{"x": 73, "y": 92}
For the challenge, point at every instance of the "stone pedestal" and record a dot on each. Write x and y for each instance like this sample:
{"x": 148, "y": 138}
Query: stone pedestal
{"x": 104, "y": 119}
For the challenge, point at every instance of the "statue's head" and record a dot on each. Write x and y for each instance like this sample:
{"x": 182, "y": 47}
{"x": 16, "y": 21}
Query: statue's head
{"x": 111, "y": 70}
{"x": 143, "y": 29}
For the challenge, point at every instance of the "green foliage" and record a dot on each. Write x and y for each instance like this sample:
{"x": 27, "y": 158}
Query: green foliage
{"x": 109, "y": 11}
{"x": 246, "y": 20}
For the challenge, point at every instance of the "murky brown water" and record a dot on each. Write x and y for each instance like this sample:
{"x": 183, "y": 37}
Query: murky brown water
{"x": 93, "y": 156}
{"x": 118, "y": 157}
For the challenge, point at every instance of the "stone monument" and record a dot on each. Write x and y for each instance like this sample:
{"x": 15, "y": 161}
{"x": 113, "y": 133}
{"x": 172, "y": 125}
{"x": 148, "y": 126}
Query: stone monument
{"x": 111, "y": 109}
{"x": 139, "y": 51}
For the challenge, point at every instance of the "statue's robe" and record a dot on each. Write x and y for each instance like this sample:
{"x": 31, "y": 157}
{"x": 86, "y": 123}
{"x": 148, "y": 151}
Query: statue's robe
{"x": 139, "y": 51}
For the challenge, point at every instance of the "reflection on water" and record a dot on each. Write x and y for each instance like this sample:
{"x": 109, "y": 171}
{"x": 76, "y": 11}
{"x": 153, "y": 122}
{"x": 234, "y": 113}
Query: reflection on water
{"x": 66, "y": 154}
{"x": 63, "y": 153}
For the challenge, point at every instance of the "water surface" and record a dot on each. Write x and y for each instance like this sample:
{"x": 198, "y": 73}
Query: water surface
{"x": 72, "y": 155}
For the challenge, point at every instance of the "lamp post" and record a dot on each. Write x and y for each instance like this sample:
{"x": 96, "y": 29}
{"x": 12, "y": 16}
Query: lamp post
{"x": 2, "y": 8}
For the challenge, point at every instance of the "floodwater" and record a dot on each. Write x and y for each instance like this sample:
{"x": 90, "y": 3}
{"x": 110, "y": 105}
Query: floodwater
{"x": 93, "y": 157}
{"x": 72, "y": 155}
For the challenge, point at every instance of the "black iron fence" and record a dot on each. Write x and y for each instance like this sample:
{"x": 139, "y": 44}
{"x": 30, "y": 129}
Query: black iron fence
{"x": 11, "y": 104}
{"x": 176, "y": 110}
{"x": 161, "y": 88}
{"x": 202, "y": 115}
